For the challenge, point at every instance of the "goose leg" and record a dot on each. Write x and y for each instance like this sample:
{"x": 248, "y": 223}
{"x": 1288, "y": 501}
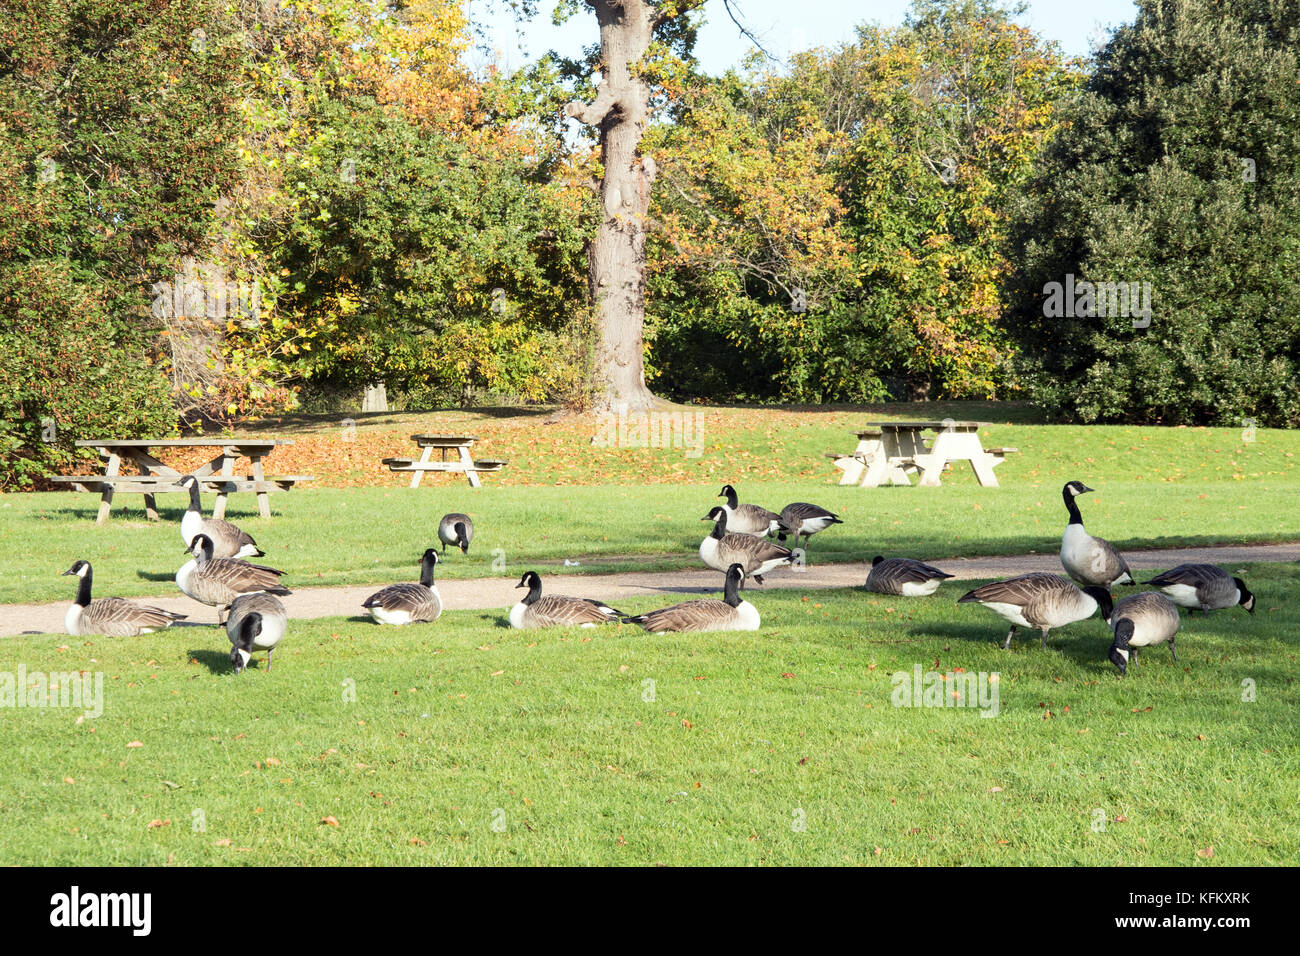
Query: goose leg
{"x": 268, "y": 659}
{"x": 1007, "y": 643}
{"x": 1172, "y": 651}
{"x": 1133, "y": 657}
{"x": 1045, "y": 630}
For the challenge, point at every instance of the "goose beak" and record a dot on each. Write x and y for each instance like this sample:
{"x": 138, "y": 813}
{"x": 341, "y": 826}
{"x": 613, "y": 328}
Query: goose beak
{"x": 67, "y": 572}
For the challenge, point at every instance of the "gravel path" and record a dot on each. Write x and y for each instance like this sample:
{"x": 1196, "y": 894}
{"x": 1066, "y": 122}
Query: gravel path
{"x": 499, "y": 592}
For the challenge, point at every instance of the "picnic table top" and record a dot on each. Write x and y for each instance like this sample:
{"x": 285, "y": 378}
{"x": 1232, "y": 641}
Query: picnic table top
{"x": 182, "y": 442}
{"x": 921, "y": 426}
{"x": 450, "y": 441}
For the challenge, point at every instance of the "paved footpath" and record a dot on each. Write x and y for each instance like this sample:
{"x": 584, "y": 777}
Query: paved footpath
{"x": 499, "y": 592}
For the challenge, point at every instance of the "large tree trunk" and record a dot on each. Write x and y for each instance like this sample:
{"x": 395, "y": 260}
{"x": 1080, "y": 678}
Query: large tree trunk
{"x": 616, "y": 257}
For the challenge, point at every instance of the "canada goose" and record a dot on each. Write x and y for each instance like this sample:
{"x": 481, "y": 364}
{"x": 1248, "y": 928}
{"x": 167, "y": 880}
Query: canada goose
{"x": 218, "y": 581}
{"x": 705, "y": 614}
{"x": 1087, "y": 559}
{"x": 1142, "y": 620}
{"x": 801, "y": 518}
{"x": 228, "y": 541}
{"x": 748, "y": 519}
{"x": 1039, "y": 600}
{"x": 256, "y": 623}
{"x": 408, "y": 603}
{"x": 111, "y": 617}
{"x": 904, "y": 576}
{"x": 555, "y": 610}
{"x": 1204, "y": 586}
{"x": 456, "y": 530}
{"x": 756, "y": 556}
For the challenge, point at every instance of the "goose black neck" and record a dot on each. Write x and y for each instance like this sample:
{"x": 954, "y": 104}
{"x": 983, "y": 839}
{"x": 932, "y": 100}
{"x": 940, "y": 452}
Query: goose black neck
{"x": 206, "y": 551}
{"x": 534, "y": 591}
{"x": 248, "y": 631}
{"x": 83, "y": 589}
{"x": 426, "y": 572}
{"x": 719, "y": 527}
{"x": 462, "y": 538}
{"x": 732, "y": 499}
{"x": 731, "y": 592}
{"x": 1071, "y": 506}
{"x": 196, "y": 504}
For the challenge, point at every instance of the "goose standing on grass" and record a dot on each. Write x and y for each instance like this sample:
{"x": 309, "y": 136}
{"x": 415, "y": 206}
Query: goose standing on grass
{"x": 1142, "y": 620}
{"x": 748, "y": 519}
{"x": 111, "y": 617}
{"x": 904, "y": 576}
{"x": 1204, "y": 587}
{"x": 705, "y": 614}
{"x": 218, "y": 581}
{"x": 256, "y": 623}
{"x": 800, "y": 518}
{"x": 409, "y": 603}
{"x": 457, "y": 530}
{"x": 228, "y": 541}
{"x": 555, "y": 610}
{"x": 1039, "y": 600}
{"x": 757, "y": 556}
{"x": 1087, "y": 559}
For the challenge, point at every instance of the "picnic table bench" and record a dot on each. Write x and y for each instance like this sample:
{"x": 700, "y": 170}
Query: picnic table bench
{"x": 464, "y": 461}
{"x": 157, "y": 477}
{"x": 888, "y": 451}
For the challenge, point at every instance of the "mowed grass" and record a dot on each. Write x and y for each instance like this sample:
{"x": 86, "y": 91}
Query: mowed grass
{"x": 472, "y": 743}
{"x": 363, "y": 536}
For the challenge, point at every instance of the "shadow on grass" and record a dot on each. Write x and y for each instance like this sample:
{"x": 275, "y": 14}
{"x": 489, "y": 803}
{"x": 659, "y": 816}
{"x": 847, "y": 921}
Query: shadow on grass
{"x": 216, "y": 662}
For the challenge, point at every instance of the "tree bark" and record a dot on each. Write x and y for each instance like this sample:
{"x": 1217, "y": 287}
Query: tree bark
{"x": 616, "y": 256}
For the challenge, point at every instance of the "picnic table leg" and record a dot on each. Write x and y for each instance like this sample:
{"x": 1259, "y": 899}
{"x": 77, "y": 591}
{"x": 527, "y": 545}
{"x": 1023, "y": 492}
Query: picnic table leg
{"x": 219, "y": 509}
{"x": 106, "y": 499}
{"x": 467, "y": 460}
{"x": 263, "y": 499}
{"x": 150, "y": 504}
{"x": 425, "y": 456}
{"x": 984, "y": 470}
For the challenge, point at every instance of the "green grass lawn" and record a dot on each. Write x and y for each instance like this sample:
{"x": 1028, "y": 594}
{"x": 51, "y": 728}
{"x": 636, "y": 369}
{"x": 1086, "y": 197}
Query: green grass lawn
{"x": 360, "y": 536}
{"x": 468, "y": 742}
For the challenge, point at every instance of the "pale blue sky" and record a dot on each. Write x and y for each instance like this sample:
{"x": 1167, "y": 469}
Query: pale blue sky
{"x": 785, "y": 27}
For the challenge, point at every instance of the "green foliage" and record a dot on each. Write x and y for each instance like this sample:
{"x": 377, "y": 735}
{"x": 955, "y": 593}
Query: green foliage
{"x": 1148, "y": 185}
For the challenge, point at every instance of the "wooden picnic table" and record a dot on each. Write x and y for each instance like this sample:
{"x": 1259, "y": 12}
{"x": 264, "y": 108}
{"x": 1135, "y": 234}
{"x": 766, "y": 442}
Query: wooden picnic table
{"x": 464, "y": 461}
{"x": 888, "y": 451}
{"x": 157, "y": 477}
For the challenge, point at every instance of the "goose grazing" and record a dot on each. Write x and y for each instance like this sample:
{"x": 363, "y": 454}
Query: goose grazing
{"x": 1087, "y": 559}
{"x": 111, "y": 617}
{"x": 218, "y": 581}
{"x": 720, "y": 550}
{"x": 1142, "y": 620}
{"x": 705, "y": 614}
{"x": 1039, "y": 600}
{"x": 904, "y": 576}
{"x": 256, "y": 623}
{"x": 408, "y": 603}
{"x": 748, "y": 519}
{"x": 456, "y": 530}
{"x": 1204, "y": 586}
{"x": 802, "y": 519}
{"x": 555, "y": 610}
{"x": 228, "y": 541}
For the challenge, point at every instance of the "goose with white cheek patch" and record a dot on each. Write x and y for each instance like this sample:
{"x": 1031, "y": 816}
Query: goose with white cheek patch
{"x": 457, "y": 530}
{"x": 1039, "y": 600}
{"x": 409, "y": 603}
{"x": 218, "y": 581}
{"x": 228, "y": 541}
{"x": 747, "y": 518}
{"x": 111, "y": 617}
{"x": 757, "y": 556}
{"x": 802, "y": 519}
{"x": 903, "y": 576}
{"x": 705, "y": 614}
{"x": 556, "y": 610}
{"x": 257, "y": 622}
{"x": 1204, "y": 587}
{"x": 1142, "y": 620}
{"x": 1087, "y": 559}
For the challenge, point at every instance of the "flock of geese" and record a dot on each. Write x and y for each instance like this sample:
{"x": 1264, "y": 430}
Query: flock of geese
{"x": 247, "y": 595}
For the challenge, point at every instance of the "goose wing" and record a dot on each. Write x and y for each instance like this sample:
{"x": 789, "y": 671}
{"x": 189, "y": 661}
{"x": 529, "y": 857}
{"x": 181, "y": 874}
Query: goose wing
{"x": 416, "y": 599}
{"x": 241, "y": 577}
{"x": 227, "y": 538}
{"x": 751, "y": 519}
{"x": 796, "y": 513}
{"x": 1149, "y": 605}
{"x": 750, "y": 552}
{"x": 556, "y": 610}
{"x": 703, "y": 614}
{"x": 1191, "y": 575}
{"x": 1022, "y": 590}
{"x": 118, "y": 617}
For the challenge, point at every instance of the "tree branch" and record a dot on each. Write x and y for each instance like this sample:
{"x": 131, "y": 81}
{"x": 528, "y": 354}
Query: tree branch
{"x": 744, "y": 30}
{"x": 594, "y": 112}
